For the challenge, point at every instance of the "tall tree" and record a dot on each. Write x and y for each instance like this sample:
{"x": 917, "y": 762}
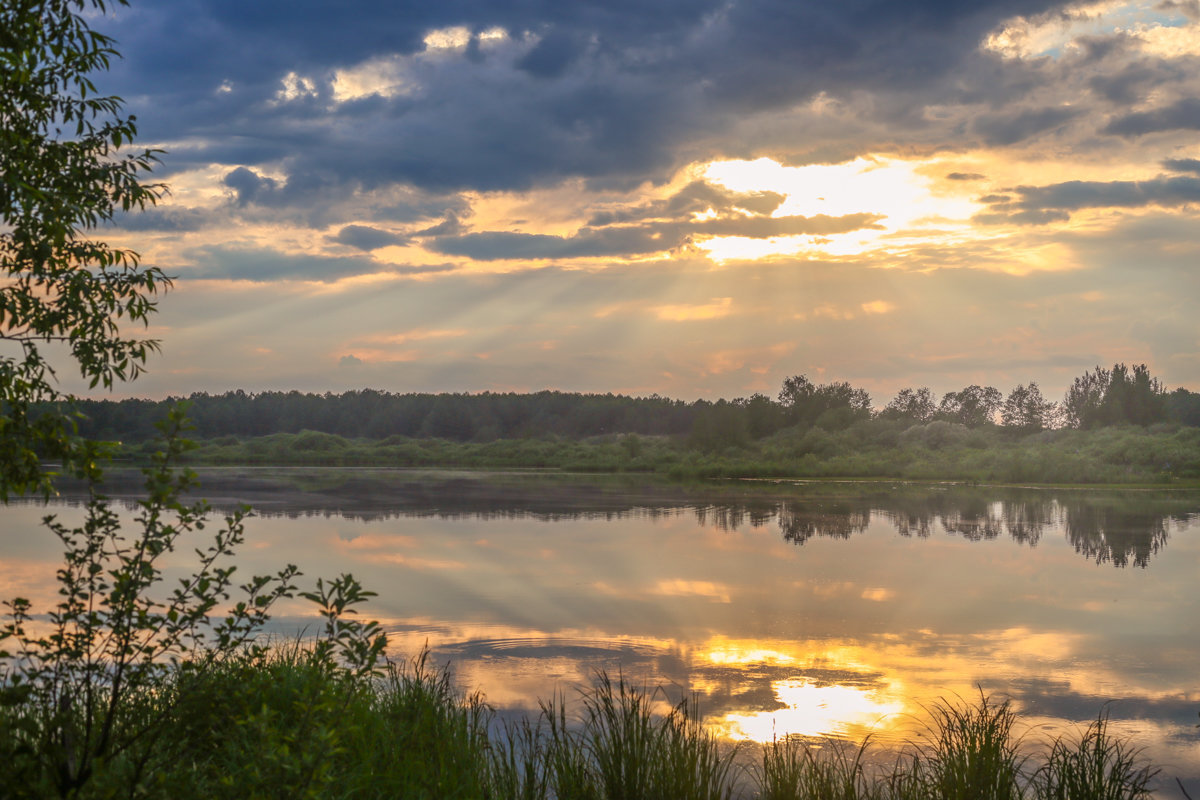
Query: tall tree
{"x": 973, "y": 406}
{"x": 1120, "y": 396}
{"x": 1083, "y": 401}
{"x": 1025, "y": 408}
{"x": 916, "y": 405}
{"x": 61, "y": 177}
{"x": 804, "y": 402}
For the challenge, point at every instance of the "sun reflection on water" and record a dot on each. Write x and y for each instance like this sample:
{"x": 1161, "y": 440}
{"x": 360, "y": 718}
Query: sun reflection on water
{"x": 813, "y": 709}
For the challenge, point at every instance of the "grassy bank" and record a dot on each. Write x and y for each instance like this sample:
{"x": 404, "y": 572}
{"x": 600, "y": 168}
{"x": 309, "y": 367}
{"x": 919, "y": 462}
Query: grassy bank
{"x": 290, "y": 724}
{"x": 874, "y": 448}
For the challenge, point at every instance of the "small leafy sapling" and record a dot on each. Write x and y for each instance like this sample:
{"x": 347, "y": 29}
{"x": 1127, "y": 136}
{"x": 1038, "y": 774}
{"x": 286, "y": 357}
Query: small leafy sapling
{"x": 115, "y": 633}
{"x": 358, "y": 646}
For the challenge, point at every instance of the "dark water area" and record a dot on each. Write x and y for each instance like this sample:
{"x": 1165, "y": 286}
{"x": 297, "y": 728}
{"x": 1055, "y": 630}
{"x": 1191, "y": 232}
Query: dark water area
{"x": 821, "y": 609}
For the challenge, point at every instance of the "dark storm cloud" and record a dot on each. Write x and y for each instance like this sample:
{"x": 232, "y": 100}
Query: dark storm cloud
{"x": 256, "y": 264}
{"x": 1183, "y": 114}
{"x": 640, "y": 239}
{"x": 1008, "y": 128}
{"x": 450, "y": 226}
{"x": 1182, "y": 165}
{"x": 166, "y": 218}
{"x": 364, "y": 237}
{"x": 604, "y": 91}
{"x": 262, "y": 265}
{"x": 1035, "y": 205}
{"x": 249, "y": 186}
{"x": 1132, "y": 83}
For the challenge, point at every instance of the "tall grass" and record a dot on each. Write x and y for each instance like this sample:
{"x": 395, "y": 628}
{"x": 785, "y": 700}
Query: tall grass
{"x": 617, "y": 749}
{"x": 793, "y": 770}
{"x": 973, "y": 754}
{"x": 287, "y": 723}
{"x": 1096, "y": 767}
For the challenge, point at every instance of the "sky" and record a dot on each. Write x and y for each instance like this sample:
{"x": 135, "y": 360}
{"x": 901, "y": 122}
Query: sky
{"x": 695, "y": 198}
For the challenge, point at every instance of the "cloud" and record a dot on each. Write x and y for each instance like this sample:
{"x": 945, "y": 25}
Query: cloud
{"x": 696, "y": 197}
{"x": 657, "y": 227}
{"x": 263, "y": 265}
{"x": 364, "y": 237}
{"x": 173, "y": 219}
{"x": 1007, "y": 128}
{"x": 622, "y": 241}
{"x": 507, "y": 95}
{"x": 683, "y": 313}
{"x": 1182, "y": 164}
{"x": 1036, "y": 205}
{"x": 249, "y": 186}
{"x": 1183, "y": 114}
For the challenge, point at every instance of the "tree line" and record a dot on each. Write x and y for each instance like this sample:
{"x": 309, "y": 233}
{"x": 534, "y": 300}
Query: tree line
{"x": 1102, "y": 397}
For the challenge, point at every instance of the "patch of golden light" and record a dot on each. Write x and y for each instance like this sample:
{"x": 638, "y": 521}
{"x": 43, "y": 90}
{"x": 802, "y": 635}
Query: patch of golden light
{"x": 1023, "y": 643}
{"x": 737, "y": 653}
{"x": 415, "y": 562}
{"x": 811, "y": 709}
{"x": 1059, "y": 33}
{"x": 294, "y": 87}
{"x": 556, "y": 211}
{"x": 378, "y": 356}
{"x": 392, "y": 75}
{"x": 894, "y": 188}
{"x": 624, "y": 307}
{"x": 756, "y": 359}
{"x": 1171, "y": 42}
{"x": 742, "y": 248}
{"x": 878, "y": 307}
{"x": 448, "y": 38}
{"x": 719, "y": 307}
{"x": 681, "y": 588}
{"x": 416, "y": 335}
{"x": 383, "y": 76}
{"x": 830, "y": 311}
{"x": 1051, "y": 257}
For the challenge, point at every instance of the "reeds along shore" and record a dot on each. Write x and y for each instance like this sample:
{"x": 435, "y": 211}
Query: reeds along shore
{"x": 288, "y": 723}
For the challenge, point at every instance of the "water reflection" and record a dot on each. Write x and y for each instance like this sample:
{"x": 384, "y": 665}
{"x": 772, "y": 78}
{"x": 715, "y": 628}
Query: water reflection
{"x": 820, "y": 609}
{"x": 1121, "y": 528}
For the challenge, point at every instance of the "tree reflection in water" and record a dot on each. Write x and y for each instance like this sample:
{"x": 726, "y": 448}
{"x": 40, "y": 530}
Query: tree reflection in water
{"x": 1116, "y": 527}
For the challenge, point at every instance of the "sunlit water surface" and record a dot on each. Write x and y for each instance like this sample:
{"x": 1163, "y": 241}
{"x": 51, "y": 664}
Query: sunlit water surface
{"x": 823, "y": 610}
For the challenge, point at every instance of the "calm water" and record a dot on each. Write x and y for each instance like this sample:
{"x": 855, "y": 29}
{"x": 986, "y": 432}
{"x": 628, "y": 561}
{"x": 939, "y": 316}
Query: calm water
{"x": 828, "y": 609}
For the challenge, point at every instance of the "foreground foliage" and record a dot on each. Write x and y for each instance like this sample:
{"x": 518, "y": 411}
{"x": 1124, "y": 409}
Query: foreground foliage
{"x": 89, "y": 689}
{"x": 61, "y": 177}
{"x": 292, "y": 722}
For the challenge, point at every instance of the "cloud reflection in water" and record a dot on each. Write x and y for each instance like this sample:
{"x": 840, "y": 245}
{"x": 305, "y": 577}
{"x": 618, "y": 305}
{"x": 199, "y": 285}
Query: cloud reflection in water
{"x": 820, "y": 610}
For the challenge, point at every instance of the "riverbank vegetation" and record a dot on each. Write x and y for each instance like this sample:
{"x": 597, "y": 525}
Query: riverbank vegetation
{"x": 869, "y": 448}
{"x": 1114, "y": 425}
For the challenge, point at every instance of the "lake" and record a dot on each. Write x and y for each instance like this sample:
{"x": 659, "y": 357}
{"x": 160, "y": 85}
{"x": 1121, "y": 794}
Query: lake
{"x": 822, "y": 609}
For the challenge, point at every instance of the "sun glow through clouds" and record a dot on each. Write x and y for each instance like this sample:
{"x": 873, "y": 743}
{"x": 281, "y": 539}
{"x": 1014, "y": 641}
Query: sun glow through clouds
{"x": 895, "y": 189}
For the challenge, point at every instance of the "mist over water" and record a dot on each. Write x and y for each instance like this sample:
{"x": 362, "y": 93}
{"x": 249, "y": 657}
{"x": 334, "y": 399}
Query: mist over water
{"x": 815, "y": 609}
